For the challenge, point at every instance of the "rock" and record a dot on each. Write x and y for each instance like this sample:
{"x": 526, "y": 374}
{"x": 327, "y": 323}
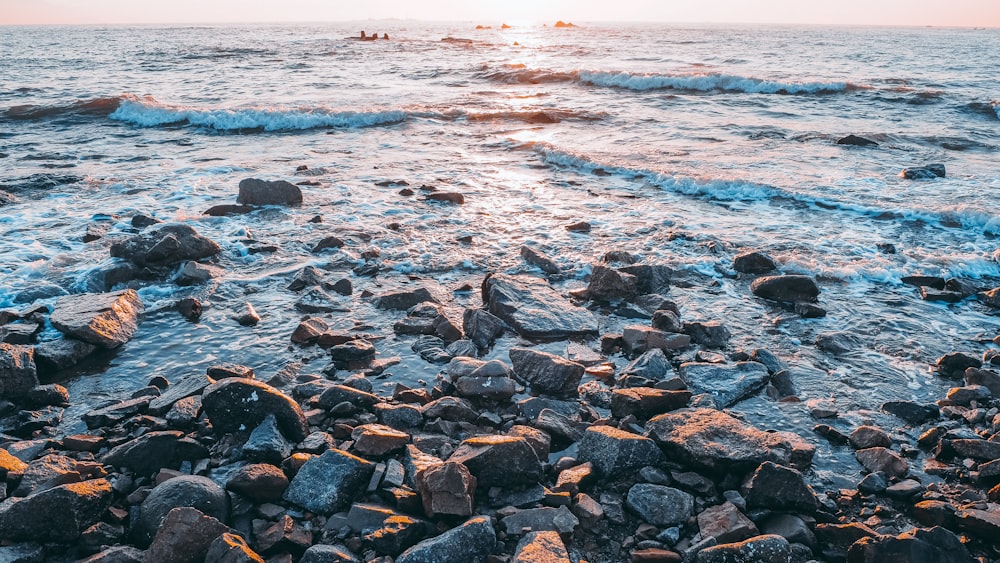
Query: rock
{"x": 614, "y": 452}
{"x": 985, "y": 450}
{"x": 322, "y": 553}
{"x": 449, "y": 197}
{"x": 104, "y": 319}
{"x": 147, "y": 453}
{"x": 544, "y": 519}
{"x": 266, "y": 443}
{"x": 318, "y": 301}
{"x": 727, "y": 384}
{"x": 649, "y": 278}
{"x": 165, "y": 245}
{"x": 18, "y": 374}
{"x": 327, "y": 483}
{"x": 327, "y": 243}
{"x": 259, "y": 482}
{"x": 431, "y": 349}
{"x": 711, "y": 334}
{"x": 929, "y": 294}
{"x": 558, "y": 426}
{"x": 882, "y": 459}
{"x": 403, "y": 300}
{"x": 579, "y": 227}
{"x": 353, "y": 354}
{"x": 190, "y": 308}
{"x": 188, "y": 387}
{"x": 713, "y": 440}
{"x": 534, "y": 309}
{"x": 667, "y": 321}
{"x": 953, "y": 365}
{"x": 775, "y": 487}
{"x": 753, "y": 262}
{"x": 184, "y": 536}
{"x": 865, "y": 437}
{"x": 306, "y": 277}
{"x": 838, "y": 342}
{"x": 759, "y": 549}
{"x": 337, "y": 394}
{"x": 193, "y": 273}
{"x": 446, "y": 488}
{"x": 235, "y": 405}
{"x": 247, "y": 316}
{"x": 646, "y": 402}
{"x": 965, "y": 395}
{"x": 469, "y": 543}
{"x": 228, "y": 209}
{"x": 501, "y": 461}
{"x": 263, "y": 192}
{"x": 397, "y": 533}
{"x": 790, "y": 527}
{"x": 786, "y": 288}
{"x": 539, "y": 259}
{"x": 59, "y": 514}
{"x": 608, "y": 284}
{"x": 934, "y": 545}
{"x": 309, "y": 330}
{"x": 546, "y": 373}
{"x": 911, "y": 412}
{"x": 985, "y": 523}
{"x": 192, "y": 491}
{"x": 541, "y": 547}
{"x": 726, "y": 524}
{"x": 650, "y": 367}
{"x": 637, "y": 339}
{"x": 927, "y": 172}
{"x": 377, "y": 440}
{"x": 854, "y": 140}
{"x": 56, "y": 355}
{"x": 659, "y": 505}
{"x": 489, "y": 388}
{"x": 481, "y": 327}
{"x": 113, "y": 414}
{"x": 231, "y": 548}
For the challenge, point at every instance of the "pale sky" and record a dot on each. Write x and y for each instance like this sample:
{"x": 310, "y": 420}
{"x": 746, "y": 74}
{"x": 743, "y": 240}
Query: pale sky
{"x": 970, "y": 13}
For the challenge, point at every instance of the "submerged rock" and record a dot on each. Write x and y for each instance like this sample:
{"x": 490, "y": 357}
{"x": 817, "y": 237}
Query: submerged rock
{"x": 786, "y": 289}
{"x": 727, "y": 384}
{"x": 165, "y": 245}
{"x": 104, "y": 319}
{"x": 857, "y": 141}
{"x": 753, "y": 262}
{"x": 534, "y": 309}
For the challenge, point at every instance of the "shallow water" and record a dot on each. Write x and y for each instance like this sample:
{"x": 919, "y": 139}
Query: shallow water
{"x": 682, "y": 144}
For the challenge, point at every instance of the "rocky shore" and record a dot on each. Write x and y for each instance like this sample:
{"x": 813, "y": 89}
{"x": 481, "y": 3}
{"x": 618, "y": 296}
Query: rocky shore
{"x": 530, "y": 457}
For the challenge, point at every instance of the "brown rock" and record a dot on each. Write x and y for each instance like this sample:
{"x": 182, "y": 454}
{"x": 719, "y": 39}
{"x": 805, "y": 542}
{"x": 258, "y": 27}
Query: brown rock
{"x": 185, "y": 536}
{"x": 447, "y": 488}
{"x": 726, "y": 524}
{"x": 378, "y": 440}
{"x": 882, "y": 459}
{"x": 105, "y": 319}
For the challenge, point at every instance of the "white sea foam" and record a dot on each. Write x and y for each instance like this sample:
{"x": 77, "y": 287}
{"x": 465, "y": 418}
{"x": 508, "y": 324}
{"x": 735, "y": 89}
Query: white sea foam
{"x": 707, "y": 82}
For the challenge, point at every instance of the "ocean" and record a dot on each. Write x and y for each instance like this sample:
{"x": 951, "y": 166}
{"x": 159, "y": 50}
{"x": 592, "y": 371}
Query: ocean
{"x": 683, "y": 144}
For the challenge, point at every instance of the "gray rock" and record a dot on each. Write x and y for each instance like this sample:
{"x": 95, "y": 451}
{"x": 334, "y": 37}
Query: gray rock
{"x": 318, "y": 301}
{"x": 31, "y": 552}
{"x": 727, "y": 384}
{"x": 534, "y": 309}
{"x": 711, "y": 334}
{"x": 649, "y": 278}
{"x": 501, "y": 461}
{"x": 235, "y": 405}
{"x": 104, "y": 319}
{"x": 614, "y": 452}
{"x": 266, "y": 443}
{"x": 647, "y": 369}
{"x": 403, "y": 300}
{"x": 165, "y": 245}
{"x": 147, "y": 453}
{"x": 539, "y": 259}
{"x": 933, "y": 545}
{"x": 927, "y": 172}
{"x": 306, "y": 277}
{"x": 263, "y": 192}
{"x": 759, "y": 549}
{"x": 786, "y": 289}
{"x": 321, "y": 553}
{"x": 869, "y": 437}
{"x": 56, "y": 355}
{"x": 974, "y": 376}
{"x": 193, "y": 273}
{"x": 776, "y": 487}
{"x": 790, "y": 527}
{"x": 192, "y": 491}
{"x": 18, "y": 374}
{"x": 481, "y": 327}
{"x": 59, "y": 514}
{"x": 188, "y": 387}
{"x": 725, "y": 523}
{"x": 608, "y": 284}
{"x": 753, "y": 262}
{"x": 659, "y": 505}
{"x": 469, "y": 543}
{"x": 911, "y": 412}
{"x": 546, "y": 519}
{"x": 327, "y": 483}
{"x": 882, "y": 459}
{"x": 838, "y": 342}
{"x": 645, "y": 402}
{"x": 546, "y": 373}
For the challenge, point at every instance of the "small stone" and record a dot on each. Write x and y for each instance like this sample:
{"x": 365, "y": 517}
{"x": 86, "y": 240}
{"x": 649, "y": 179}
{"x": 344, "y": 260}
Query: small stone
{"x": 659, "y": 505}
{"x": 882, "y": 459}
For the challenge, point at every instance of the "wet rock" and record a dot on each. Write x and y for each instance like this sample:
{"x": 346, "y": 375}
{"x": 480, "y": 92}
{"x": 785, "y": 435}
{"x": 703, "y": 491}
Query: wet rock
{"x": 263, "y": 192}
{"x": 790, "y": 527}
{"x": 184, "y": 536}
{"x": 726, "y": 524}
{"x": 976, "y": 449}
{"x": 165, "y": 245}
{"x": 318, "y": 301}
{"x": 187, "y": 387}
{"x": 926, "y": 172}
{"x": 309, "y": 330}
{"x": 759, "y": 549}
{"x": 546, "y": 373}
{"x": 431, "y": 349}
{"x": 58, "y": 514}
{"x": 469, "y": 543}
{"x": 113, "y": 414}
{"x": 930, "y": 294}
{"x": 231, "y": 548}
{"x": 33, "y": 552}
{"x": 985, "y": 523}
{"x": 309, "y": 276}
{"x": 541, "y": 547}
{"x": 667, "y": 321}
{"x": 446, "y": 488}
{"x": 327, "y": 483}
{"x": 727, "y": 384}
{"x": 501, "y": 461}
{"x": 192, "y": 491}
{"x": 241, "y": 404}
{"x": 450, "y": 408}
{"x": 247, "y": 316}
{"x": 838, "y": 342}
{"x": 953, "y": 365}
{"x": 882, "y": 459}
{"x": 352, "y": 355}
{"x": 660, "y": 505}
{"x": 539, "y": 259}
{"x": 228, "y": 209}
{"x": 259, "y": 482}
{"x": 650, "y": 367}
{"x": 327, "y": 243}
{"x": 189, "y": 308}
{"x": 613, "y": 451}
{"x": 579, "y": 227}
{"x": 786, "y": 288}
{"x": 911, "y": 412}
{"x": 56, "y": 355}
{"x": 934, "y": 545}
{"x": 637, "y": 339}
{"x": 489, "y": 388}
{"x": 378, "y": 440}
{"x": 403, "y": 300}
{"x": 18, "y": 374}
{"x": 645, "y": 402}
{"x": 965, "y": 395}
{"x": 557, "y": 425}
{"x": 713, "y": 440}
{"x": 104, "y": 319}
{"x": 864, "y": 437}
{"x": 711, "y": 334}
{"x": 854, "y": 140}
{"x": 775, "y": 487}
{"x": 973, "y": 376}
{"x": 449, "y": 197}
{"x": 649, "y": 278}
{"x": 608, "y": 284}
{"x": 753, "y": 262}
{"x": 193, "y": 273}
{"x": 337, "y": 394}
{"x": 481, "y": 327}
{"x": 322, "y": 553}
{"x": 534, "y": 309}
{"x": 266, "y": 443}
{"x": 147, "y": 453}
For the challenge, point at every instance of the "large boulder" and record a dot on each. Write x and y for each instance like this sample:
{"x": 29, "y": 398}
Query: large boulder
{"x": 17, "y": 370}
{"x": 786, "y": 289}
{"x": 166, "y": 245}
{"x": 59, "y": 514}
{"x": 727, "y": 384}
{"x": 263, "y": 192}
{"x": 235, "y": 405}
{"x": 193, "y": 491}
{"x": 104, "y": 319}
{"x": 546, "y": 373}
{"x": 328, "y": 483}
{"x": 716, "y": 441}
{"x": 469, "y": 543}
{"x": 501, "y": 461}
{"x": 534, "y": 309}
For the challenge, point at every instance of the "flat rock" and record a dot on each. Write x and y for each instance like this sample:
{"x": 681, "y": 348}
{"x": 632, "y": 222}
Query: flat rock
{"x": 103, "y": 319}
{"x": 613, "y": 451}
{"x": 659, "y": 505}
{"x": 18, "y": 374}
{"x": 56, "y": 355}
{"x": 545, "y": 519}
{"x": 911, "y": 412}
{"x": 759, "y": 549}
{"x": 327, "y": 483}
{"x": 378, "y": 440}
{"x": 188, "y": 387}
{"x": 60, "y": 514}
{"x": 546, "y": 373}
{"x": 147, "y": 453}
{"x": 263, "y": 192}
{"x": 235, "y": 405}
{"x": 869, "y": 437}
{"x": 165, "y": 245}
{"x": 786, "y": 289}
{"x": 534, "y": 309}
{"x": 539, "y": 259}
{"x": 501, "y": 461}
{"x": 403, "y": 300}
{"x": 469, "y": 543}
{"x": 727, "y": 384}
{"x": 541, "y": 547}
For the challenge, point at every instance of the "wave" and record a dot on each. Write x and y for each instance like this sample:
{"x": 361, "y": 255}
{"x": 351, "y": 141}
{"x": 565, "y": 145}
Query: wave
{"x": 987, "y": 109}
{"x": 100, "y": 107}
{"x": 699, "y": 82}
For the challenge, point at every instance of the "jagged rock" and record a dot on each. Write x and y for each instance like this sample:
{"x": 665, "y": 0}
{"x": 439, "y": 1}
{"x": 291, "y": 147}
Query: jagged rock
{"x": 613, "y": 451}
{"x": 378, "y": 440}
{"x": 546, "y": 373}
{"x": 450, "y": 408}
{"x": 727, "y": 384}
{"x": 403, "y": 300}
{"x": 954, "y": 365}
{"x": 397, "y": 533}
{"x": 759, "y": 549}
{"x": 790, "y": 527}
{"x": 18, "y": 374}
{"x": 147, "y": 453}
{"x": 327, "y": 483}
{"x": 753, "y": 262}
{"x": 608, "y": 284}
{"x": 260, "y": 482}
{"x": 104, "y": 319}
{"x": 193, "y": 273}
{"x": 557, "y": 425}
{"x": 56, "y": 355}
{"x": 116, "y": 554}
{"x": 246, "y": 316}
{"x": 231, "y": 548}
{"x": 52, "y": 470}
{"x": 266, "y": 443}
{"x": 539, "y": 259}
{"x": 326, "y": 243}
{"x": 650, "y": 367}
{"x": 309, "y": 330}
{"x": 469, "y": 543}
{"x": 649, "y": 278}
{"x": 660, "y": 505}
{"x": 544, "y": 519}
{"x": 184, "y": 536}
{"x": 541, "y": 547}
{"x": 481, "y": 327}
{"x": 667, "y": 321}
{"x": 965, "y": 395}
{"x": 712, "y": 334}
{"x": 539, "y": 441}
{"x": 726, "y": 524}
{"x": 165, "y": 245}
{"x": 934, "y": 545}
{"x": 446, "y": 488}
{"x": 194, "y": 491}
{"x": 976, "y": 449}
{"x": 228, "y": 209}
{"x": 113, "y": 414}
{"x": 241, "y": 404}
{"x": 501, "y": 461}
{"x": 785, "y": 289}
{"x": 263, "y": 192}
{"x": 775, "y": 487}
{"x": 190, "y": 308}
{"x": 306, "y": 277}
{"x": 882, "y": 459}
{"x": 59, "y": 514}
{"x": 534, "y": 309}
{"x": 713, "y": 440}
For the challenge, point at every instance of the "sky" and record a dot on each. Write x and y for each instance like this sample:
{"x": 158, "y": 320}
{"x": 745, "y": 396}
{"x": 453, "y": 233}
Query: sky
{"x": 968, "y": 13}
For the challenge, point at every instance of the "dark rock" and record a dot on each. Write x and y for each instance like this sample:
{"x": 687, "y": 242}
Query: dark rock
{"x": 490, "y": 388}
{"x": 984, "y": 523}
{"x": 856, "y": 141}
{"x": 726, "y": 524}
{"x": 775, "y": 487}
{"x": 322, "y": 553}
{"x": 614, "y": 452}
{"x": 309, "y": 330}
{"x": 501, "y": 461}
{"x": 56, "y": 355}
{"x": 929, "y": 294}
{"x": 231, "y": 548}
{"x": 306, "y": 277}
{"x": 165, "y": 245}
{"x": 649, "y": 278}
{"x": 759, "y": 549}
{"x": 469, "y": 543}
{"x": 190, "y": 308}
{"x": 113, "y": 414}
{"x": 973, "y": 376}
{"x": 327, "y": 483}
{"x": 59, "y": 514}
{"x": 116, "y": 554}
{"x": 147, "y": 453}
{"x": 546, "y": 373}
{"x": 240, "y": 404}
{"x": 184, "y": 536}
{"x": 266, "y": 443}
{"x": 713, "y": 440}
{"x": 247, "y": 316}
{"x": 809, "y": 310}
{"x": 579, "y": 227}
{"x": 18, "y": 374}
{"x": 558, "y": 426}
{"x": 790, "y": 527}
{"x": 336, "y": 394}
{"x": 200, "y": 493}
{"x": 194, "y": 273}
{"x": 260, "y": 482}
{"x": 646, "y": 402}
{"x": 263, "y": 192}
{"x": 318, "y": 301}
{"x": 786, "y": 289}
{"x": 990, "y": 297}
{"x": 184, "y": 413}
{"x": 667, "y": 321}
{"x": 712, "y": 334}
{"x": 869, "y": 437}
{"x": 449, "y": 197}
{"x": 608, "y": 284}
{"x": 539, "y": 259}
{"x": 928, "y": 172}
{"x": 353, "y": 354}
{"x": 659, "y": 505}
{"x": 228, "y": 209}
{"x": 397, "y": 533}
{"x": 534, "y": 309}
{"x": 104, "y": 319}
{"x": 934, "y": 545}
{"x": 541, "y": 547}
{"x": 431, "y": 349}
{"x": 403, "y": 300}
{"x": 882, "y": 459}
{"x": 481, "y": 327}
{"x": 285, "y": 535}
{"x": 911, "y": 412}
{"x": 727, "y": 384}
{"x": 326, "y": 243}
{"x": 753, "y": 262}
{"x": 647, "y": 369}
{"x": 934, "y": 282}
{"x": 838, "y": 342}
{"x": 966, "y": 395}
{"x": 188, "y": 387}
{"x": 953, "y": 365}
{"x": 985, "y": 450}
{"x": 544, "y": 519}
{"x": 446, "y": 488}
